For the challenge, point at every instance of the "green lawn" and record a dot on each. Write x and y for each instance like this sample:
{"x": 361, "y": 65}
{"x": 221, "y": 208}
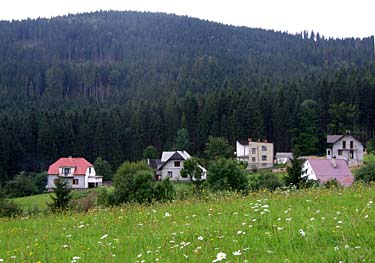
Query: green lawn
{"x": 34, "y": 201}
{"x": 315, "y": 225}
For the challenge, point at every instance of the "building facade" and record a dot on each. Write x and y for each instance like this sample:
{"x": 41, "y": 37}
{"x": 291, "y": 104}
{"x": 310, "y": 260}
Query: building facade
{"x": 345, "y": 147}
{"x": 261, "y": 154}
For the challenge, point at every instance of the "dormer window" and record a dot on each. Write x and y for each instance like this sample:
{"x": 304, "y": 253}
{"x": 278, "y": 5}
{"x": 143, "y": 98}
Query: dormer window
{"x": 66, "y": 171}
{"x": 177, "y": 164}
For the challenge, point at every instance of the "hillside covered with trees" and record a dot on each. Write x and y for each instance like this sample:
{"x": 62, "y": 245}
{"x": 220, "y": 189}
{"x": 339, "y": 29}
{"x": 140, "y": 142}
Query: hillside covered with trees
{"x": 111, "y": 83}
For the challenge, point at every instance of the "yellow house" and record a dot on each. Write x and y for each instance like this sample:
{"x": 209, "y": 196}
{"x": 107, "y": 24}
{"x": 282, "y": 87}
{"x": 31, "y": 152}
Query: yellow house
{"x": 260, "y": 154}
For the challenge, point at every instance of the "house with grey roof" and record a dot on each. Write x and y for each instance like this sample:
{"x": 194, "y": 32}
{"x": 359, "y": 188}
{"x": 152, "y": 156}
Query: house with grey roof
{"x": 323, "y": 170}
{"x": 172, "y": 162}
{"x": 283, "y": 157}
{"x": 345, "y": 147}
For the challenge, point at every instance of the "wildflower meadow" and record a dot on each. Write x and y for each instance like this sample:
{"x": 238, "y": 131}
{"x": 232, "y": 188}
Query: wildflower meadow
{"x": 312, "y": 225}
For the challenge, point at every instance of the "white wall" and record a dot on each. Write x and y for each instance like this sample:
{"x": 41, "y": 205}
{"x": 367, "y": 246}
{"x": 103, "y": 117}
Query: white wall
{"x": 308, "y": 171}
{"x": 82, "y": 181}
{"x": 357, "y": 151}
{"x": 176, "y": 171}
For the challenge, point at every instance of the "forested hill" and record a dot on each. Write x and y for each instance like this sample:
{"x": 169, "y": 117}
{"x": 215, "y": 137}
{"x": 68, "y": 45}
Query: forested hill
{"x": 109, "y": 84}
{"x": 130, "y": 54}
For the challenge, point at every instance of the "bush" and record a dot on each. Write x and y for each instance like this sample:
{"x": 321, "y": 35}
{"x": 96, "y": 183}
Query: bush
{"x": 227, "y": 174}
{"x": 9, "y": 209}
{"x": 366, "y": 173}
{"x": 164, "y": 190}
{"x": 106, "y": 198}
{"x": 133, "y": 182}
{"x": 25, "y": 184}
{"x": 265, "y": 180}
{"x": 333, "y": 183}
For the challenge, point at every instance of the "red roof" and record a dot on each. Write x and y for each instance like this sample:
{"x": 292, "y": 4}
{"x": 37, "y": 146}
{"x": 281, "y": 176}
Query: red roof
{"x": 325, "y": 171}
{"x": 80, "y": 165}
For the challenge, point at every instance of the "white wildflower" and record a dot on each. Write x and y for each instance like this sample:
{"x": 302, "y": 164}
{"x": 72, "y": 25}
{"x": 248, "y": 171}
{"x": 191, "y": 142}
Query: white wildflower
{"x": 220, "y": 256}
{"x": 104, "y": 236}
{"x": 200, "y": 238}
{"x": 302, "y": 232}
{"x": 237, "y": 253}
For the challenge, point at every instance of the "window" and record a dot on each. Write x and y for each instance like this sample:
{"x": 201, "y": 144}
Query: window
{"x": 66, "y": 171}
{"x": 351, "y": 145}
{"x": 264, "y": 148}
{"x": 253, "y": 150}
{"x": 329, "y": 152}
{"x": 264, "y": 165}
{"x": 170, "y": 174}
{"x": 340, "y": 152}
{"x": 264, "y": 157}
{"x": 89, "y": 170}
{"x": 351, "y": 154}
{"x": 344, "y": 144}
{"x": 177, "y": 164}
{"x": 253, "y": 159}
{"x": 75, "y": 181}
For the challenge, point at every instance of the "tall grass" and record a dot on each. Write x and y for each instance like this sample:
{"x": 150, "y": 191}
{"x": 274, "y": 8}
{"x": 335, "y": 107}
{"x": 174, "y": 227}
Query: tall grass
{"x": 314, "y": 225}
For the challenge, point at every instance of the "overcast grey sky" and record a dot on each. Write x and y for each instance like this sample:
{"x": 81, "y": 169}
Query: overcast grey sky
{"x": 336, "y": 18}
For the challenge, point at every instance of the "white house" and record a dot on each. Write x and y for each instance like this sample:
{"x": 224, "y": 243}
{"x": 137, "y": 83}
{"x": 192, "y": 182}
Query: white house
{"x": 172, "y": 163}
{"x": 323, "y": 170}
{"x": 345, "y": 147}
{"x": 283, "y": 157}
{"x": 242, "y": 151}
{"x": 79, "y": 173}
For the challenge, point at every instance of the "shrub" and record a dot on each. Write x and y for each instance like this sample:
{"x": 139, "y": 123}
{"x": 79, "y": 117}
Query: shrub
{"x": 133, "y": 182}
{"x": 366, "y": 173}
{"x": 9, "y": 209}
{"x": 226, "y": 174}
{"x": 164, "y": 190}
{"x": 333, "y": 183}
{"x": 265, "y": 180}
{"x": 106, "y": 198}
{"x": 21, "y": 185}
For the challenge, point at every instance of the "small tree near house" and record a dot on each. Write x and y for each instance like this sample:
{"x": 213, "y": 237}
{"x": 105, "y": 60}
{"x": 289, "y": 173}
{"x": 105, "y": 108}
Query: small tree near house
{"x": 62, "y": 195}
{"x": 193, "y": 171}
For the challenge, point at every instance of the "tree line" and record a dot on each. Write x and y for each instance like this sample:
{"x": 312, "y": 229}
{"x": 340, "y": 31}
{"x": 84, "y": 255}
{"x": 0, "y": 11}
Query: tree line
{"x": 110, "y": 84}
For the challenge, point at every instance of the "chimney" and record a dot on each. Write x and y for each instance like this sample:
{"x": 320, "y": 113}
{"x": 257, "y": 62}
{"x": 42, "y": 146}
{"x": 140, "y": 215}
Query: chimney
{"x": 347, "y": 132}
{"x": 250, "y": 140}
{"x": 258, "y": 140}
{"x": 70, "y": 156}
{"x": 265, "y": 141}
{"x": 333, "y": 160}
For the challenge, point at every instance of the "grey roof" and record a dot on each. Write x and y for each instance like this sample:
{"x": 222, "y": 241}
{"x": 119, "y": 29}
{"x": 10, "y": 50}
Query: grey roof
{"x": 284, "y": 155}
{"x": 333, "y": 138}
{"x": 176, "y": 156}
{"x": 154, "y": 163}
{"x": 243, "y": 142}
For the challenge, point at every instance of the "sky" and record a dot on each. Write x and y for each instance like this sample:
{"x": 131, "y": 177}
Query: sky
{"x": 331, "y": 18}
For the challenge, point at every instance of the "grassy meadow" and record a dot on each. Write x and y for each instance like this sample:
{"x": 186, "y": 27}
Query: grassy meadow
{"x": 313, "y": 225}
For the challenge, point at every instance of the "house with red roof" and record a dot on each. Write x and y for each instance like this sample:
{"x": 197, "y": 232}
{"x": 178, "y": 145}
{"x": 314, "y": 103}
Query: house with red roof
{"x": 323, "y": 170}
{"x": 79, "y": 173}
